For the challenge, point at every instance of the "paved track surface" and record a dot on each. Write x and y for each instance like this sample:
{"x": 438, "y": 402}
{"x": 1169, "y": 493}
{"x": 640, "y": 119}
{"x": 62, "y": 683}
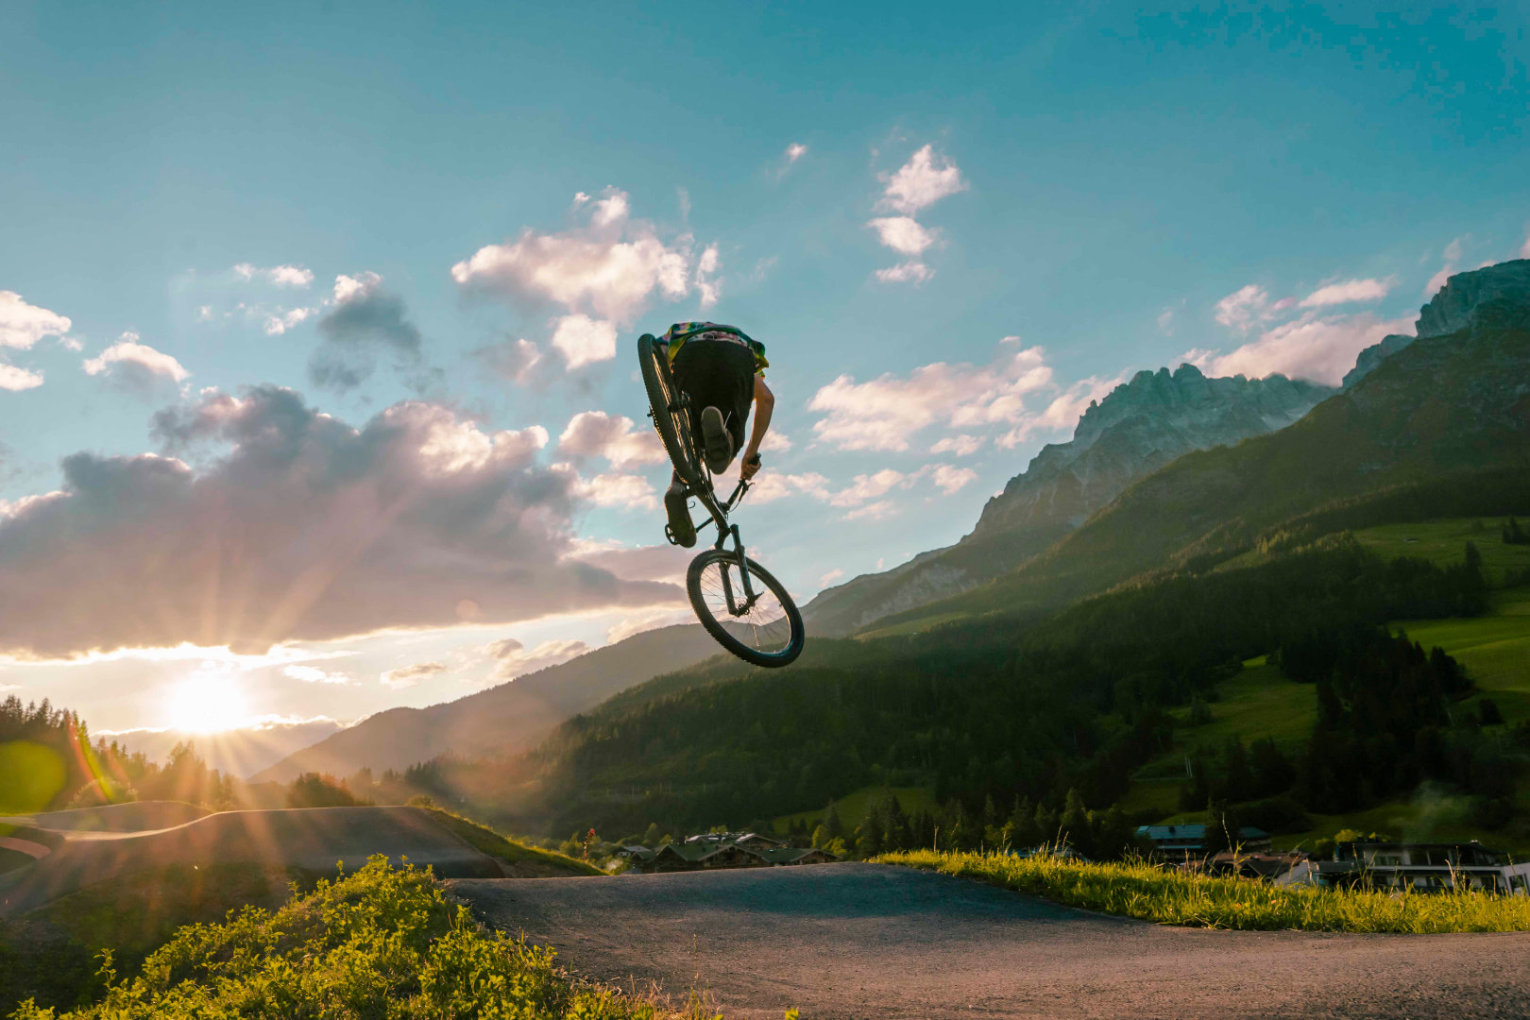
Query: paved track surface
{"x": 862, "y": 940}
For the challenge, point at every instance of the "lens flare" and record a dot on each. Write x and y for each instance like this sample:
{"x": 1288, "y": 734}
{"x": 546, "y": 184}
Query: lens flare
{"x": 207, "y": 702}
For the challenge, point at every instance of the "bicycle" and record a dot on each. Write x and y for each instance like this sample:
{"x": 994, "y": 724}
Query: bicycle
{"x": 739, "y": 602}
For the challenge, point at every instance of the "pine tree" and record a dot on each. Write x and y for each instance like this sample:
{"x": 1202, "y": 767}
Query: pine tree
{"x": 833, "y": 828}
{"x": 1075, "y": 823}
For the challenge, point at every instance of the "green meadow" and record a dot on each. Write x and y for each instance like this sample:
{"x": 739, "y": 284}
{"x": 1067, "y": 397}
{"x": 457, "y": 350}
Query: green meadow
{"x": 1442, "y": 542}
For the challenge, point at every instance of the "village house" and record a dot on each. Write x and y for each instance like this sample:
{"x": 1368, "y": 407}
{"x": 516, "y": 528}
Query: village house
{"x": 1190, "y": 840}
{"x": 720, "y": 850}
{"x": 1418, "y": 867}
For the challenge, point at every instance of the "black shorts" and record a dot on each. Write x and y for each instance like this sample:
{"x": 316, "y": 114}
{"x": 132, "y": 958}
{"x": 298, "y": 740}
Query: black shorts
{"x": 720, "y": 374}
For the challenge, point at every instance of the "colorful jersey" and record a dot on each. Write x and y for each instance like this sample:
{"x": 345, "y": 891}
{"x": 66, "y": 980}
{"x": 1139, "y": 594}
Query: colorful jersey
{"x": 682, "y": 332}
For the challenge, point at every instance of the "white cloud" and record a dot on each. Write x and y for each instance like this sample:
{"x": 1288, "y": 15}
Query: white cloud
{"x": 885, "y": 412}
{"x": 769, "y": 486}
{"x": 912, "y": 271}
{"x": 513, "y": 659}
{"x": 949, "y": 479}
{"x": 315, "y": 675}
{"x": 598, "y": 434}
{"x": 878, "y": 511}
{"x": 775, "y": 441}
{"x": 1166, "y": 322}
{"x": 1348, "y": 292}
{"x": 924, "y": 180}
{"x": 1200, "y": 357}
{"x": 1064, "y": 410}
{"x": 409, "y": 676}
{"x": 794, "y": 152}
{"x": 960, "y": 445}
{"x": 707, "y": 285}
{"x": 613, "y": 489}
{"x": 645, "y": 620}
{"x": 353, "y": 288}
{"x": 282, "y": 276}
{"x": 16, "y": 379}
{"x": 584, "y": 340}
{"x": 136, "y": 363}
{"x": 903, "y": 234}
{"x": 1524, "y": 251}
{"x": 609, "y": 267}
{"x": 22, "y": 325}
{"x": 830, "y": 577}
{"x": 1452, "y": 256}
{"x": 1243, "y": 307}
{"x": 278, "y": 324}
{"x": 1311, "y": 347}
{"x": 870, "y": 487}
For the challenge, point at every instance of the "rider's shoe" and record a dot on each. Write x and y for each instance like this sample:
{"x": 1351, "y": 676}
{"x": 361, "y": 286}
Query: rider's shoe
{"x": 716, "y": 442}
{"x": 677, "y": 503}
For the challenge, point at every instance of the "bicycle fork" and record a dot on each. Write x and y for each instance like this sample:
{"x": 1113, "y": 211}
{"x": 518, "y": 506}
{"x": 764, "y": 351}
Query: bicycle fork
{"x": 738, "y": 558}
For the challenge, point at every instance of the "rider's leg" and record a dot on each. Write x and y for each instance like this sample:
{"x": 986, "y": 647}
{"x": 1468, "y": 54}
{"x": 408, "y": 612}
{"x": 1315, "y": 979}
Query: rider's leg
{"x": 677, "y": 507}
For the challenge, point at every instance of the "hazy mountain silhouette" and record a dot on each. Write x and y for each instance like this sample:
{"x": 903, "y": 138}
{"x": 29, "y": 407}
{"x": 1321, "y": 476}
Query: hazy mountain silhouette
{"x": 507, "y": 718}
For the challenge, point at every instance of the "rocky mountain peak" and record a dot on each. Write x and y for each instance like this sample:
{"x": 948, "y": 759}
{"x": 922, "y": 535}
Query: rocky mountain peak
{"x": 1144, "y": 423}
{"x": 1500, "y": 293}
{"x": 1494, "y": 296}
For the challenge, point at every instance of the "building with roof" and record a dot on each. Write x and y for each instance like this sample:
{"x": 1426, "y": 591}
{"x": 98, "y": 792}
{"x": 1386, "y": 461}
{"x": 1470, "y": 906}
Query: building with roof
{"x": 1419, "y": 867}
{"x": 721, "y": 850}
{"x": 1190, "y": 840}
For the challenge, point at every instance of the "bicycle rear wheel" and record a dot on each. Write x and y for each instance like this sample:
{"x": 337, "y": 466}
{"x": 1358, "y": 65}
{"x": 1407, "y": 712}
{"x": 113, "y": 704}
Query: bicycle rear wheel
{"x": 765, "y": 630}
{"x": 670, "y": 409}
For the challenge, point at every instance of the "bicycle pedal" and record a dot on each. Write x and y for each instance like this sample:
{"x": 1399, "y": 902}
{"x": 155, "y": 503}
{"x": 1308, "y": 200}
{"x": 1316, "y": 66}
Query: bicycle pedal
{"x": 669, "y": 533}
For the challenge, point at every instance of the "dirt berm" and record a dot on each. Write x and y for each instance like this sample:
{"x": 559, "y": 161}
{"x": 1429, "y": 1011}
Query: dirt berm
{"x": 312, "y": 838}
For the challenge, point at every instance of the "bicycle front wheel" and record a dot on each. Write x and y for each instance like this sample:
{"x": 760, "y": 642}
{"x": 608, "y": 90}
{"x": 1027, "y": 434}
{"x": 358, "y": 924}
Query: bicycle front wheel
{"x": 671, "y": 412}
{"x": 755, "y": 620}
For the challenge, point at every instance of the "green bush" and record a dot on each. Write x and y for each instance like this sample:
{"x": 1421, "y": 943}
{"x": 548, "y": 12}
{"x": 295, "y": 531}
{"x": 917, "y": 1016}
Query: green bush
{"x": 382, "y": 943}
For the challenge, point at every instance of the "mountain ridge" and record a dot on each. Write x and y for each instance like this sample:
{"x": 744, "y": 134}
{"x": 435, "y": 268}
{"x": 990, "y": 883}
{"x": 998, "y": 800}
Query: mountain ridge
{"x": 1140, "y": 426}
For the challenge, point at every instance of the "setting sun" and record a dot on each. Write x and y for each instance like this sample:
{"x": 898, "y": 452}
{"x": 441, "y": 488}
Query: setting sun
{"x": 206, "y": 702}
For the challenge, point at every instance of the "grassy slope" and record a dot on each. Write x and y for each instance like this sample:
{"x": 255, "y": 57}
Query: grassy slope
{"x": 1441, "y": 542}
{"x": 1168, "y": 897}
{"x": 1494, "y": 649}
{"x": 1258, "y": 702}
{"x": 525, "y": 861}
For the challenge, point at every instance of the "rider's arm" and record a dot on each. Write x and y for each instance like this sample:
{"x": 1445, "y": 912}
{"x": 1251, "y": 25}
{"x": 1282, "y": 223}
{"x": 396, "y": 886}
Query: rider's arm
{"x": 764, "y": 406}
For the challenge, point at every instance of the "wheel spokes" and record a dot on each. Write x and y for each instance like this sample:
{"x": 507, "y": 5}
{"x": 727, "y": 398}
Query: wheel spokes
{"x": 760, "y": 623}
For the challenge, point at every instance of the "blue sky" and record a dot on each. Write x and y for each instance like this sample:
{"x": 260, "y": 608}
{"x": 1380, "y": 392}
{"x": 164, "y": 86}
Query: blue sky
{"x": 1034, "y": 202}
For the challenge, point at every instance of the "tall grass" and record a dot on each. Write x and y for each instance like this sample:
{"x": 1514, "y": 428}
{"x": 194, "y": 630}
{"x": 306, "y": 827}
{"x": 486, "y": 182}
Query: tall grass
{"x": 381, "y": 943}
{"x": 1149, "y": 893}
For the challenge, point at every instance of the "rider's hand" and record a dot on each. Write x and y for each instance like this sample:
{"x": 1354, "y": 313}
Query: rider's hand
{"x": 748, "y": 467}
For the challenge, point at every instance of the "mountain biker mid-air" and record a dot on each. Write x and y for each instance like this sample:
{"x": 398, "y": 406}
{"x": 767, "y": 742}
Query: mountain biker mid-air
{"x": 723, "y": 371}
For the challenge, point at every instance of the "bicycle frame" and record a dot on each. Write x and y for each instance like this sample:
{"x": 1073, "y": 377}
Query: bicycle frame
{"x": 719, "y": 519}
